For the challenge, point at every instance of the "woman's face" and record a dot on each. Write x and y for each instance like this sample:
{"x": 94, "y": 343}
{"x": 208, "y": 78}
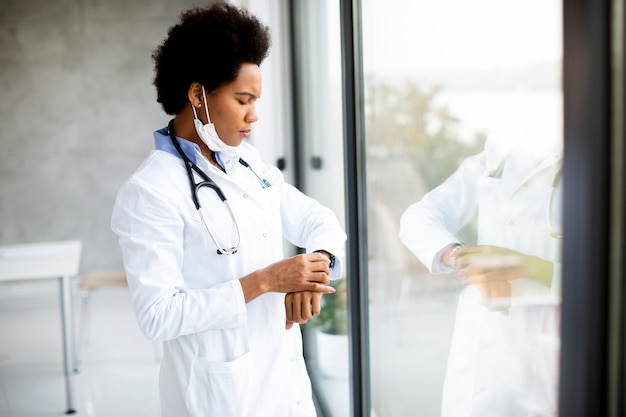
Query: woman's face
{"x": 232, "y": 107}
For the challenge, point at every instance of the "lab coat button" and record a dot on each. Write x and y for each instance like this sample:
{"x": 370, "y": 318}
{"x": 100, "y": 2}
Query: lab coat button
{"x": 245, "y": 196}
{"x": 510, "y": 223}
{"x": 264, "y": 234}
{"x": 299, "y": 402}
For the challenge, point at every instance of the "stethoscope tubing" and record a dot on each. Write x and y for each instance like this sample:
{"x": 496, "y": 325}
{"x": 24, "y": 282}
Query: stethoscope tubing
{"x": 555, "y": 183}
{"x": 208, "y": 182}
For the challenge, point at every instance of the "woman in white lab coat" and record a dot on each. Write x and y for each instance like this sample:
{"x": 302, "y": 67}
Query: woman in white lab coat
{"x": 212, "y": 283}
{"x": 503, "y": 359}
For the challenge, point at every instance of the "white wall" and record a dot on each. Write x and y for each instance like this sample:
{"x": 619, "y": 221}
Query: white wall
{"x": 77, "y": 112}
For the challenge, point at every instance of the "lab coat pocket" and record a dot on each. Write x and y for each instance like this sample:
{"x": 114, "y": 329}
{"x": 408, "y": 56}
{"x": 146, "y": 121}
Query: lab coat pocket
{"x": 222, "y": 389}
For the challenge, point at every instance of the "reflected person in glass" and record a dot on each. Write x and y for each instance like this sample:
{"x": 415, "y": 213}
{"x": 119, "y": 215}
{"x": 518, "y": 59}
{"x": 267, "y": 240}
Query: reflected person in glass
{"x": 201, "y": 225}
{"x": 503, "y": 359}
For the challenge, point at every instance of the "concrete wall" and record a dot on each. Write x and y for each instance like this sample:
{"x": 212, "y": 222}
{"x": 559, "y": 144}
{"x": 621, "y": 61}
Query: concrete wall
{"x": 77, "y": 112}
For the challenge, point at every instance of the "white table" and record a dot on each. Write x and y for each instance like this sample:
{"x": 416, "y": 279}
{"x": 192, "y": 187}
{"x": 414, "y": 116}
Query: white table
{"x": 49, "y": 260}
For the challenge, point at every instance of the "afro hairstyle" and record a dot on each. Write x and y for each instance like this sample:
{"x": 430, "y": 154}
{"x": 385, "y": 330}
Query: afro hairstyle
{"x": 207, "y": 46}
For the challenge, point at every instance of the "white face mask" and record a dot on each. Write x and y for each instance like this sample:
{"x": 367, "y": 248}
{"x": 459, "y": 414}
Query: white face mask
{"x": 207, "y": 132}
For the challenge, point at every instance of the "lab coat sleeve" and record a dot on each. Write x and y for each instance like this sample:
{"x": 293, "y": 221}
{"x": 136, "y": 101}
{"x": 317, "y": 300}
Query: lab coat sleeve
{"x": 431, "y": 224}
{"x": 310, "y": 225}
{"x": 150, "y": 231}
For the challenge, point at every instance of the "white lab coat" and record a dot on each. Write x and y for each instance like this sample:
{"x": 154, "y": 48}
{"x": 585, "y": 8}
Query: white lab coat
{"x": 498, "y": 365}
{"x": 221, "y": 356}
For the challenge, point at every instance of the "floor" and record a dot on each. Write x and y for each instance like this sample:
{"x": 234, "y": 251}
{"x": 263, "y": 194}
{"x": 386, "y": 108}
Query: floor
{"x": 118, "y": 367}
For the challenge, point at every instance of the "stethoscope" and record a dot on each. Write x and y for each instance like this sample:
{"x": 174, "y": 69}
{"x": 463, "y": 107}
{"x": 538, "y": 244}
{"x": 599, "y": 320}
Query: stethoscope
{"x": 207, "y": 182}
{"x": 555, "y": 182}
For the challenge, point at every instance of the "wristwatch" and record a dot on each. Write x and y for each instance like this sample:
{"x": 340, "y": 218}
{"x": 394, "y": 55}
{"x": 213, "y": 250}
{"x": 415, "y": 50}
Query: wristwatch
{"x": 452, "y": 257}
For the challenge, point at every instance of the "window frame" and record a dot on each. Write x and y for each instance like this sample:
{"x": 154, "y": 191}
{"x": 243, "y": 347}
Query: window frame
{"x": 592, "y": 323}
{"x": 587, "y": 195}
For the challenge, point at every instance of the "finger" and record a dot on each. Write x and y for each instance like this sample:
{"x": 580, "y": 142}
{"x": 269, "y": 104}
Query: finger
{"x": 302, "y": 306}
{"x": 318, "y": 262}
{"x": 473, "y": 262}
{"x": 495, "y": 261}
{"x": 467, "y": 256}
{"x": 316, "y": 277}
{"x": 288, "y": 324}
{"x": 320, "y": 288}
{"x": 503, "y": 289}
{"x": 314, "y": 258}
{"x": 296, "y": 317}
{"x": 305, "y": 309}
{"x": 476, "y": 278}
{"x": 488, "y": 294}
{"x": 497, "y": 296}
{"x": 467, "y": 250}
{"x": 289, "y": 307}
{"x": 489, "y": 298}
{"x": 481, "y": 278}
{"x": 483, "y": 291}
{"x": 319, "y": 277}
{"x": 323, "y": 266}
{"x": 476, "y": 275}
{"x": 320, "y": 265}
{"x": 320, "y": 256}
{"x": 316, "y": 303}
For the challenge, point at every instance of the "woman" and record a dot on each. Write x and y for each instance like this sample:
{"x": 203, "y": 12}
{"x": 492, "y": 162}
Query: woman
{"x": 503, "y": 360}
{"x": 207, "y": 274}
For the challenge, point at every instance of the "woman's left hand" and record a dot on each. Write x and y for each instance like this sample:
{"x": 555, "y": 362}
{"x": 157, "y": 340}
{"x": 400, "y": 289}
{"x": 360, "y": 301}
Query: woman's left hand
{"x": 302, "y": 306}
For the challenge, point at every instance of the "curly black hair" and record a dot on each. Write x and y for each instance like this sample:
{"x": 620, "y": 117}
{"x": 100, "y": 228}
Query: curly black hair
{"x": 207, "y": 46}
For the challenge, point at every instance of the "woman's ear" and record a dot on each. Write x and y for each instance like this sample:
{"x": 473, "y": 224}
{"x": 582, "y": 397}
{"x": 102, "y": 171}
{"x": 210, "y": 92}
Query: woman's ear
{"x": 194, "y": 94}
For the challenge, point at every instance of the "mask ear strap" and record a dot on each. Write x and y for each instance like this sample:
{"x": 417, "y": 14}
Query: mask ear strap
{"x": 195, "y": 115}
{"x": 206, "y": 106}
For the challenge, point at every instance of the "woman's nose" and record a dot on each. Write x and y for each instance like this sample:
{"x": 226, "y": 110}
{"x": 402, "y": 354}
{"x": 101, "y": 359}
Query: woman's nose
{"x": 251, "y": 115}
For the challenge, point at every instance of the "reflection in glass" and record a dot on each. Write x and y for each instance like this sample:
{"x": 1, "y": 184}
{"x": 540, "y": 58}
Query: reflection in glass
{"x": 464, "y": 147}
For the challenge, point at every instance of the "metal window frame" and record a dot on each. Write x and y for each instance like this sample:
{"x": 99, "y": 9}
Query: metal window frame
{"x": 356, "y": 206}
{"x": 617, "y": 290}
{"x": 587, "y": 229}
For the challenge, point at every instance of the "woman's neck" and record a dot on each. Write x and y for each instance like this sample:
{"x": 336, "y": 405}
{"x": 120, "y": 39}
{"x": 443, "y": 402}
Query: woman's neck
{"x": 184, "y": 128}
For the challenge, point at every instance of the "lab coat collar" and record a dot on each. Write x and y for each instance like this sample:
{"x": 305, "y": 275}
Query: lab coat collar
{"x": 550, "y": 161}
{"x": 162, "y": 142}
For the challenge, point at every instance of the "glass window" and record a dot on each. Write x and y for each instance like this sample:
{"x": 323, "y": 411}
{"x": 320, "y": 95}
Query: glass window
{"x": 463, "y": 134}
{"x": 320, "y": 156}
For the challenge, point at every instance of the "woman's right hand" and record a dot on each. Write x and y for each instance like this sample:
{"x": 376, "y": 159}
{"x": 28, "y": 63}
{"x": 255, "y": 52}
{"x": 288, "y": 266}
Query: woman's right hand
{"x": 492, "y": 268}
{"x": 305, "y": 272}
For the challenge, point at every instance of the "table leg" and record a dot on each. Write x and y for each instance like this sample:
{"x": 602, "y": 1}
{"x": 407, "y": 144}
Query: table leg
{"x": 69, "y": 356}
